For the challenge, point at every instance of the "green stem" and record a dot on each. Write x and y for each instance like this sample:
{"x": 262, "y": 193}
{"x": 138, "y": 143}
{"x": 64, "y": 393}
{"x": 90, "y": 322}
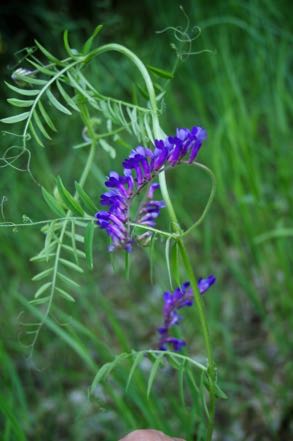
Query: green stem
{"x": 144, "y": 227}
{"x": 210, "y": 428}
{"x": 142, "y": 69}
{"x": 205, "y": 331}
{"x": 198, "y": 301}
{"x": 175, "y": 224}
{"x": 86, "y": 218}
{"x": 177, "y": 229}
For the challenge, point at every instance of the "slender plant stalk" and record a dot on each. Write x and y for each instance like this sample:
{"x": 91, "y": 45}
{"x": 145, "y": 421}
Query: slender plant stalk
{"x": 176, "y": 227}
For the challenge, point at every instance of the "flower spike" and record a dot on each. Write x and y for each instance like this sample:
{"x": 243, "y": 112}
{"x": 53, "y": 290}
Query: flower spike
{"x": 181, "y": 297}
{"x": 140, "y": 168}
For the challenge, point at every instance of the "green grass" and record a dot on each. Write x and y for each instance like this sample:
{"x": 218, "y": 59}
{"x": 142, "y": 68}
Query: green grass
{"x": 241, "y": 94}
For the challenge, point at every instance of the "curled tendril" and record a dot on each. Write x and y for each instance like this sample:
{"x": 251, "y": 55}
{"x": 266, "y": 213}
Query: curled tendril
{"x": 210, "y": 199}
{"x": 15, "y": 153}
{"x": 185, "y": 36}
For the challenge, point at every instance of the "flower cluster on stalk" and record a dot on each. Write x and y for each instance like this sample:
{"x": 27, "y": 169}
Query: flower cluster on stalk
{"x": 173, "y": 301}
{"x": 139, "y": 169}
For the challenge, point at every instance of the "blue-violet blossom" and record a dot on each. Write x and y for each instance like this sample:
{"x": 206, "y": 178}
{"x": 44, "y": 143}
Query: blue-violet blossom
{"x": 141, "y": 166}
{"x": 182, "y": 296}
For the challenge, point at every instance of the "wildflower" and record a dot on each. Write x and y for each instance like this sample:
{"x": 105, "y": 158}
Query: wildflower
{"x": 181, "y": 297}
{"x": 116, "y": 220}
{"x": 139, "y": 169}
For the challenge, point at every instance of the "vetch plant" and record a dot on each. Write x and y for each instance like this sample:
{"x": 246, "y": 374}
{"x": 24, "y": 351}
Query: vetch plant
{"x": 69, "y": 237}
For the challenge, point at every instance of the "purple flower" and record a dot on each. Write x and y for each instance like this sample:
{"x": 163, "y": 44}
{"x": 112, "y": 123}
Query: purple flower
{"x": 181, "y": 297}
{"x": 204, "y": 284}
{"x": 140, "y": 167}
{"x": 148, "y": 213}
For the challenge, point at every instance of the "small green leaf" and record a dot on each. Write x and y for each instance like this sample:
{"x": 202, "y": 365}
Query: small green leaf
{"x": 74, "y": 250}
{"x": 68, "y": 281}
{"x": 85, "y": 199}
{"x": 77, "y": 237}
{"x": 161, "y": 72}
{"x": 30, "y": 80}
{"x": 40, "y": 68}
{"x": 102, "y": 373}
{"x": 153, "y": 372}
{"x": 40, "y": 301}
{"x": 26, "y": 92}
{"x": 137, "y": 360}
{"x": 47, "y": 53}
{"x": 71, "y": 265}
{"x": 220, "y": 393}
{"x": 40, "y": 125}
{"x": 106, "y": 369}
{"x": 159, "y": 88}
{"x": 42, "y": 289}
{"x": 34, "y": 134}
{"x": 57, "y": 103}
{"x": 66, "y": 97}
{"x": 42, "y": 257}
{"x": 88, "y": 244}
{"x": 133, "y": 118}
{"x": 42, "y": 275}
{"x": 192, "y": 380}
{"x": 108, "y": 148}
{"x": 79, "y": 88}
{"x": 174, "y": 361}
{"x": 16, "y": 118}
{"x": 175, "y": 263}
{"x": 52, "y": 203}
{"x": 81, "y": 145}
{"x": 143, "y": 92}
{"x": 88, "y": 44}
{"x": 20, "y": 103}
{"x": 65, "y": 294}
{"x": 66, "y": 44}
{"x": 46, "y": 117}
{"x": 68, "y": 199}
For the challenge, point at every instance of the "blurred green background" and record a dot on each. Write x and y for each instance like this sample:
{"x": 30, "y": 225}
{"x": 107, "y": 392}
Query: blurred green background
{"x": 241, "y": 93}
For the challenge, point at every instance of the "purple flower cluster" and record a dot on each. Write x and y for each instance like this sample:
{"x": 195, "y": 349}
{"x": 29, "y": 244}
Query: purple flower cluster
{"x": 148, "y": 213}
{"x": 141, "y": 166}
{"x": 116, "y": 220}
{"x": 182, "y": 296}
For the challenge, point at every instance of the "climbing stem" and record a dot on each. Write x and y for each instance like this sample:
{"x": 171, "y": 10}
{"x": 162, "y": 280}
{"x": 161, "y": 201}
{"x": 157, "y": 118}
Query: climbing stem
{"x": 198, "y": 301}
{"x": 205, "y": 331}
{"x": 158, "y": 133}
